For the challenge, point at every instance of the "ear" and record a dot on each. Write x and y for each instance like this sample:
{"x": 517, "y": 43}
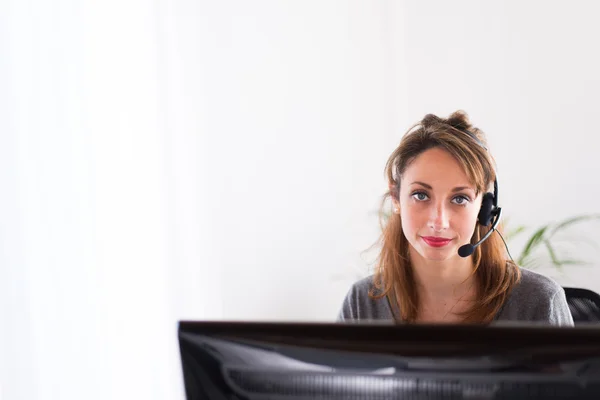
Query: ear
{"x": 394, "y": 192}
{"x": 395, "y": 206}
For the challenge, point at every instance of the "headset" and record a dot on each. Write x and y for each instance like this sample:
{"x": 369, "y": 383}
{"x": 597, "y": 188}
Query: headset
{"x": 489, "y": 213}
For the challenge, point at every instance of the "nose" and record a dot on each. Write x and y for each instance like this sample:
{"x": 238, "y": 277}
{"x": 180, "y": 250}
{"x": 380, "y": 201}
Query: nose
{"x": 438, "y": 218}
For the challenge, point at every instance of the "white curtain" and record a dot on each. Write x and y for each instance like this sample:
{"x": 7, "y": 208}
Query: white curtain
{"x": 99, "y": 205}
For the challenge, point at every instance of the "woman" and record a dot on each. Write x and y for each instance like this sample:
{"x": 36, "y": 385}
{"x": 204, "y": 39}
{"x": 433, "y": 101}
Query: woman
{"x": 440, "y": 179}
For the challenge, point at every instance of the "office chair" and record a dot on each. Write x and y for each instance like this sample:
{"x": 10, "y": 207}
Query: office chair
{"x": 584, "y": 305}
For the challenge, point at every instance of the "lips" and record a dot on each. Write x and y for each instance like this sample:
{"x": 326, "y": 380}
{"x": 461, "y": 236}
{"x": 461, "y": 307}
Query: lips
{"x": 434, "y": 241}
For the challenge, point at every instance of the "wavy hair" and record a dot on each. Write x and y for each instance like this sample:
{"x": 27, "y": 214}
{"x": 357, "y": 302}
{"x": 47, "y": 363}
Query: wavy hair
{"x": 495, "y": 274}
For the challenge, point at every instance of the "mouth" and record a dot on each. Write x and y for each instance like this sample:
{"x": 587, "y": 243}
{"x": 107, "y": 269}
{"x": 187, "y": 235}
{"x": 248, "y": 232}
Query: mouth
{"x": 434, "y": 241}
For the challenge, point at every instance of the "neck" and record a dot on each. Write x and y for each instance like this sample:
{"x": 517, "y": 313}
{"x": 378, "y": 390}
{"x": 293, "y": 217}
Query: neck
{"x": 442, "y": 279}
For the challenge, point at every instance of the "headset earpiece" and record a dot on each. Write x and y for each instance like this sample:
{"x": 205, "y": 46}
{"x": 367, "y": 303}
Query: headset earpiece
{"x": 486, "y": 212}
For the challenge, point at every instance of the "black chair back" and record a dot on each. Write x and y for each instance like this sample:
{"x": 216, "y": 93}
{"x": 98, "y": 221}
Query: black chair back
{"x": 584, "y": 305}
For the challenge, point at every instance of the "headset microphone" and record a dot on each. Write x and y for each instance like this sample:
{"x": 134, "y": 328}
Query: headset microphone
{"x": 468, "y": 249}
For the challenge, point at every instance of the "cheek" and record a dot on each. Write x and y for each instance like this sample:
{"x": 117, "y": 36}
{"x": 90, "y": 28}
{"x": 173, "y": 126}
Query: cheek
{"x": 466, "y": 223}
{"x": 412, "y": 219}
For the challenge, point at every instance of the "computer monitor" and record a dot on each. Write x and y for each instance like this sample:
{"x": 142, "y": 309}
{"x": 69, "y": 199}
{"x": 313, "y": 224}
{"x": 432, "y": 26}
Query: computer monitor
{"x": 241, "y": 360}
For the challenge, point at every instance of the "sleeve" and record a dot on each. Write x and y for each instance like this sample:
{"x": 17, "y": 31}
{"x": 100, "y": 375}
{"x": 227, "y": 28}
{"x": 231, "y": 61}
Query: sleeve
{"x": 559, "y": 312}
{"x": 348, "y": 311}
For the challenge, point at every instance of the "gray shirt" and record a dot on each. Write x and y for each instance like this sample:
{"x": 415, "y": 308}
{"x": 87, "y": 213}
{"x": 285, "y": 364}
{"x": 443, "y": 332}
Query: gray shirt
{"x": 536, "y": 298}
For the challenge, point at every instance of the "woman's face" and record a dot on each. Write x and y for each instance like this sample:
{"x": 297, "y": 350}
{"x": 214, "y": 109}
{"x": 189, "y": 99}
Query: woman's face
{"x": 438, "y": 205}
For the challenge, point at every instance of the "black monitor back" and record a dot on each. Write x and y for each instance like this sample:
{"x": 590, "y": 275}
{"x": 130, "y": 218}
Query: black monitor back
{"x": 236, "y": 360}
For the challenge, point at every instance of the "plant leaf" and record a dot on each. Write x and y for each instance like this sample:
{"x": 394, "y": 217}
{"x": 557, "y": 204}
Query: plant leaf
{"x": 552, "y": 253}
{"x": 529, "y": 262}
{"x": 532, "y": 243}
{"x": 511, "y": 234}
{"x": 577, "y": 239}
{"x": 574, "y": 220}
{"x": 574, "y": 262}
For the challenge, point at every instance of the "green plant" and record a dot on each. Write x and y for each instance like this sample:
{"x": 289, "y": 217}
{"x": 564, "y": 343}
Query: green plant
{"x": 544, "y": 244}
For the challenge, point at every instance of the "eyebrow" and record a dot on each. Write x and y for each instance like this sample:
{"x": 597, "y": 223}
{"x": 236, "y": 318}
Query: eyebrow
{"x": 456, "y": 189}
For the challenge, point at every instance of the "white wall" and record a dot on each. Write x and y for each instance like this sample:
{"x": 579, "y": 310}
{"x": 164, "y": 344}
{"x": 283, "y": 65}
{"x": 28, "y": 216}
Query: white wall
{"x": 223, "y": 160}
{"x": 293, "y": 108}
{"x": 526, "y": 74}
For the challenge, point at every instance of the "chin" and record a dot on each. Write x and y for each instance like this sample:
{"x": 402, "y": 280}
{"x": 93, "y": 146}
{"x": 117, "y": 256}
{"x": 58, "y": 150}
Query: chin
{"x": 438, "y": 254}
{"x": 439, "y": 258}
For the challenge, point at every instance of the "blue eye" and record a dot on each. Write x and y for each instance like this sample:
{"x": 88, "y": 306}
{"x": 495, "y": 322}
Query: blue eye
{"x": 420, "y": 196}
{"x": 461, "y": 200}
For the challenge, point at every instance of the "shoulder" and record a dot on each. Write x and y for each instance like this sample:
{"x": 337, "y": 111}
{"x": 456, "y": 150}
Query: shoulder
{"x": 358, "y": 303}
{"x": 537, "y": 297}
{"x": 535, "y": 283}
{"x": 363, "y": 286}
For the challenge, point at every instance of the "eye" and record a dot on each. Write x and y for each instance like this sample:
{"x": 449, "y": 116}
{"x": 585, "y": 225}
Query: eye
{"x": 461, "y": 200}
{"x": 420, "y": 196}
